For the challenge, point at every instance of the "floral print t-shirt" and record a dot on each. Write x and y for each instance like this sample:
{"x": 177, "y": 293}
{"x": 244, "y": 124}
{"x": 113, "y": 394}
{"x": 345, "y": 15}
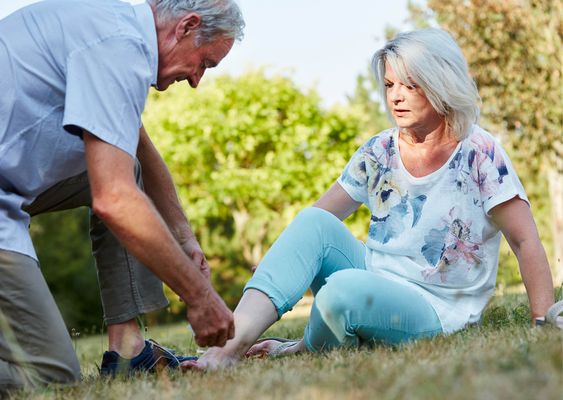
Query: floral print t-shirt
{"x": 434, "y": 233}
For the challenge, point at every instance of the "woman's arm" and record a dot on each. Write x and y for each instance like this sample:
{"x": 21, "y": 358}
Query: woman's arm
{"x": 338, "y": 202}
{"x": 516, "y": 222}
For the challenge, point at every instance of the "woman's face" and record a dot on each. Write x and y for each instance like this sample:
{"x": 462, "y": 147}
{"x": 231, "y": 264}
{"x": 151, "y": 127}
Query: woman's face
{"x": 409, "y": 106}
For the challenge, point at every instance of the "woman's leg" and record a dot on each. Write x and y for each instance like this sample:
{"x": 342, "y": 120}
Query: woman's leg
{"x": 357, "y": 307}
{"x": 314, "y": 246}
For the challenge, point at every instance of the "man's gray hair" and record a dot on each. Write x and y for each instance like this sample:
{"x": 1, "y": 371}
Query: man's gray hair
{"x": 219, "y": 18}
{"x": 431, "y": 59}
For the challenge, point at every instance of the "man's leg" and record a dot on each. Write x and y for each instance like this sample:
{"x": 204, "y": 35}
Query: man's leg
{"x": 35, "y": 347}
{"x": 128, "y": 289}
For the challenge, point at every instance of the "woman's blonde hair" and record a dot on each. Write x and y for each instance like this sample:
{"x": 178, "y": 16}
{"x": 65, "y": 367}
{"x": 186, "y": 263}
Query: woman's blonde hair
{"x": 431, "y": 59}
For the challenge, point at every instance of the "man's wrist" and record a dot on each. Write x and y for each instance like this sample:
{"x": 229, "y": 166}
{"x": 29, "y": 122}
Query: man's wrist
{"x": 183, "y": 235}
{"x": 198, "y": 289}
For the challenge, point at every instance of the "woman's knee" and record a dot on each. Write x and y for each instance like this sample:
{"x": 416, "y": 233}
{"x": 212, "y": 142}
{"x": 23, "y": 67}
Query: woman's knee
{"x": 314, "y": 216}
{"x": 339, "y": 295}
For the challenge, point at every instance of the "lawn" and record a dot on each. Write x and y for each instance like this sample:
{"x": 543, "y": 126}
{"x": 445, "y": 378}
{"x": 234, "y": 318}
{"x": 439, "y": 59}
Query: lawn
{"x": 501, "y": 359}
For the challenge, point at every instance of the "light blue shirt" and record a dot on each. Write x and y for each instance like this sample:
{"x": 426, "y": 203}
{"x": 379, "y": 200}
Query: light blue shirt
{"x": 67, "y": 66}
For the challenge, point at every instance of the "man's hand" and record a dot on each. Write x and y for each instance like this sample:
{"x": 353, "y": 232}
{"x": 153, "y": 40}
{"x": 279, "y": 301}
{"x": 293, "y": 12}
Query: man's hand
{"x": 192, "y": 248}
{"x": 211, "y": 320}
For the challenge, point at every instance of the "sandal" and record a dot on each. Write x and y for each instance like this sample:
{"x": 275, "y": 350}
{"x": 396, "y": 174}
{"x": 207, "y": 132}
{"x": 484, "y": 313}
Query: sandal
{"x": 278, "y": 350}
{"x": 553, "y": 315}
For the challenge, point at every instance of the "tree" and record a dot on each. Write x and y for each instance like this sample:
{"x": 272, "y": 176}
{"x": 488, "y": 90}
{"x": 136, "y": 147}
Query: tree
{"x": 366, "y": 100}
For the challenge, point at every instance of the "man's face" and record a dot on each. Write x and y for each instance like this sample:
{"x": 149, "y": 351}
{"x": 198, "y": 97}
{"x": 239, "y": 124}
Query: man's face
{"x": 182, "y": 60}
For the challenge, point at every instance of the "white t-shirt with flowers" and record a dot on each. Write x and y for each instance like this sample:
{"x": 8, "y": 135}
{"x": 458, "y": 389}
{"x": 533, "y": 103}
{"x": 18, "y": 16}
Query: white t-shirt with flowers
{"x": 434, "y": 233}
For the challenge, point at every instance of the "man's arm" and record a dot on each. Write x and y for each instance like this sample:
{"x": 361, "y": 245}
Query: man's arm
{"x": 516, "y": 222}
{"x": 160, "y": 188}
{"x": 132, "y": 218}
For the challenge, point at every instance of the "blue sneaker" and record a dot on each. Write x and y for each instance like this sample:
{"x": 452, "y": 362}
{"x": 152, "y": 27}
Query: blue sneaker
{"x": 153, "y": 358}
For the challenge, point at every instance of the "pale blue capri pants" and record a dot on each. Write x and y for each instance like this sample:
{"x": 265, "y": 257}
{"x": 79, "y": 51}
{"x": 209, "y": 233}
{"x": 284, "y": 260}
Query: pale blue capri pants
{"x": 352, "y": 306}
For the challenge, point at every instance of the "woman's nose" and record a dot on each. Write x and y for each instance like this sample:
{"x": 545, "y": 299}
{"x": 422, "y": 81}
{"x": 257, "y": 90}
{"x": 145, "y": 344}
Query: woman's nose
{"x": 396, "y": 94}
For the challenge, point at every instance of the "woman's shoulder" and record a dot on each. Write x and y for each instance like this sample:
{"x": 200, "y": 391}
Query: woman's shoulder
{"x": 380, "y": 141}
{"x": 482, "y": 141}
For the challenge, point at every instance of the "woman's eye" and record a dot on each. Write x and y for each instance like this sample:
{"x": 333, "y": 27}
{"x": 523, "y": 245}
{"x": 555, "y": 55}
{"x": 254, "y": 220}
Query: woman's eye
{"x": 388, "y": 85}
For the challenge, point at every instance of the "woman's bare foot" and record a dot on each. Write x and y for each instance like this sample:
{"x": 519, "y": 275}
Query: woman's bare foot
{"x": 254, "y": 314}
{"x": 213, "y": 359}
{"x": 276, "y": 348}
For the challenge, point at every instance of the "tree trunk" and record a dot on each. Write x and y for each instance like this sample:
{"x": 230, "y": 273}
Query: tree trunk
{"x": 555, "y": 177}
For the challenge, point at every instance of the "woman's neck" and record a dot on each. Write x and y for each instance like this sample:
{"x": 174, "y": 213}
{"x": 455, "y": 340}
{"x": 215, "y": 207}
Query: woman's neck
{"x": 436, "y": 135}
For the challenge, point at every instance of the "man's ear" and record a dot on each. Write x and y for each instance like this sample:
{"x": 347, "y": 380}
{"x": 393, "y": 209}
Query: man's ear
{"x": 186, "y": 24}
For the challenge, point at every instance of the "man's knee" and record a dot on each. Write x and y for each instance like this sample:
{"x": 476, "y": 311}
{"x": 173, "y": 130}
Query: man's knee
{"x": 38, "y": 370}
{"x": 65, "y": 369}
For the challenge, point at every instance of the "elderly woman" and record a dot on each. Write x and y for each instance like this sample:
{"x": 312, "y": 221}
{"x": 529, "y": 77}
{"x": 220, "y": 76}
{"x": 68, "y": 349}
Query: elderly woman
{"x": 440, "y": 190}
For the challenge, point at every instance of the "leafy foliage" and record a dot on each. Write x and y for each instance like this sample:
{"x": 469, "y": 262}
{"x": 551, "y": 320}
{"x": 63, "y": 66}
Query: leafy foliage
{"x": 247, "y": 154}
{"x": 63, "y": 247}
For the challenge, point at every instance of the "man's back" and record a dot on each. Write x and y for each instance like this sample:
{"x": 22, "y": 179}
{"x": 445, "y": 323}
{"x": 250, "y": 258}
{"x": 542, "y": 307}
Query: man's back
{"x": 67, "y": 65}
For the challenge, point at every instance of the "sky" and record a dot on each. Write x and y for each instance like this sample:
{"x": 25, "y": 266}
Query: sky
{"x": 321, "y": 44}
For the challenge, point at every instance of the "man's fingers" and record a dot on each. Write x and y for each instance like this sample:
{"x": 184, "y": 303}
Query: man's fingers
{"x": 222, "y": 339}
{"x": 197, "y": 258}
{"x": 205, "y": 340}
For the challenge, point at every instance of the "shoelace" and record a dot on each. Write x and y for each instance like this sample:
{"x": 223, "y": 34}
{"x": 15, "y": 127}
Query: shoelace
{"x": 164, "y": 350}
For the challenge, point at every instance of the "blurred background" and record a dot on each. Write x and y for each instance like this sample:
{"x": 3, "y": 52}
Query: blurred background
{"x": 271, "y": 128}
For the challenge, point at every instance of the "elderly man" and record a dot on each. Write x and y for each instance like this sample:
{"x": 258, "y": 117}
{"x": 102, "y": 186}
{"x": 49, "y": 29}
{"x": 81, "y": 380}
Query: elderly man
{"x": 75, "y": 76}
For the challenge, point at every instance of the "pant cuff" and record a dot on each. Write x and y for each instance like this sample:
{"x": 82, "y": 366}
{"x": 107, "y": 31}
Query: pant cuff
{"x": 117, "y": 319}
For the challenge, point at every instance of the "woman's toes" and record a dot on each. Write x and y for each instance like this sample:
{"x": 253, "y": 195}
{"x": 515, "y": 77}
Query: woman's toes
{"x": 261, "y": 349}
{"x": 191, "y": 365}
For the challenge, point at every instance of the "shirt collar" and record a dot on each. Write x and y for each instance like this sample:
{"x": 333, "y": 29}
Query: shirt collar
{"x": 145, "y": 17}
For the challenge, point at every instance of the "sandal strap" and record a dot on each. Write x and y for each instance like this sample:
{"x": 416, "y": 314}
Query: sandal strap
{"x": 278, "y": 350}
{"x": 553, "y": 313}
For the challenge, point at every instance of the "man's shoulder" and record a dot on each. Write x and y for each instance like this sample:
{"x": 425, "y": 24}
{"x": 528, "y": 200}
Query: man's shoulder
{"x": 84, "y": 21}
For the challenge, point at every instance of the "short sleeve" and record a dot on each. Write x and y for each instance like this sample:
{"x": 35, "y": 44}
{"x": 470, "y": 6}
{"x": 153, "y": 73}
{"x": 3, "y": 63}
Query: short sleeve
{"x": 106, "y": 88}
{"x": 354, "y": 177}
{"x": 498, "y": 181}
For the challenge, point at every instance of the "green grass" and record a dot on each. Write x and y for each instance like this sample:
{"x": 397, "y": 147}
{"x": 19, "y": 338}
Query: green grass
{"x": 501, "y": 359}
